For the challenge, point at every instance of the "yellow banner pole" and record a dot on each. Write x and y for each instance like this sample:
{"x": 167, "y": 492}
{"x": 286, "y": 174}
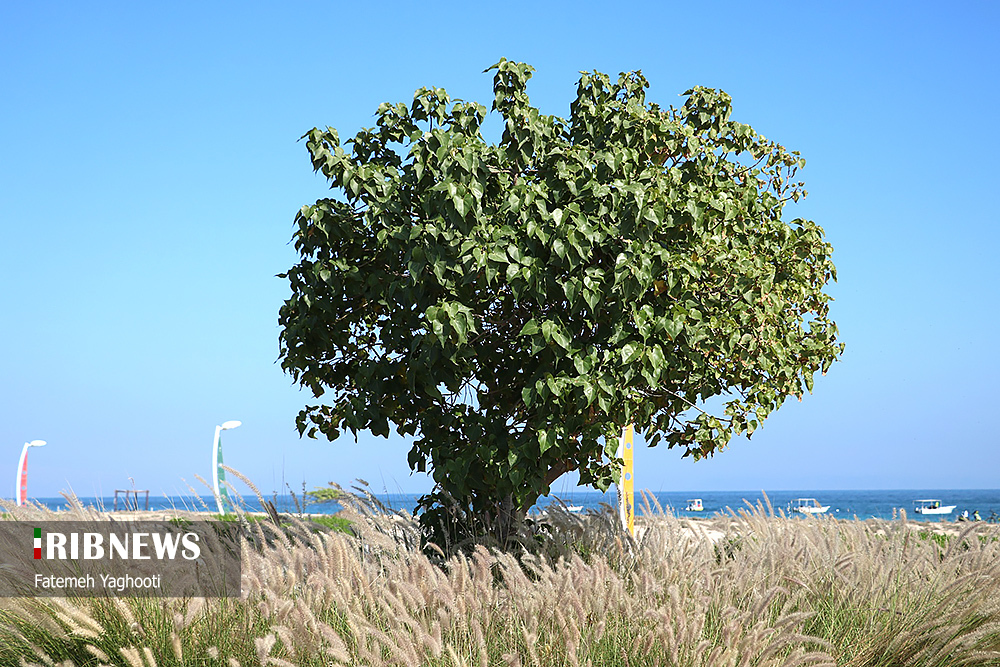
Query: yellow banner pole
{"x": 626, "y": 490}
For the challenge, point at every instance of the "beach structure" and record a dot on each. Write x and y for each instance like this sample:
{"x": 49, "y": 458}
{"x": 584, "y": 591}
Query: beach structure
{"x": 131, "y": 498}
{"x": 21, "y": 484}
{"x": 218, "y": 474}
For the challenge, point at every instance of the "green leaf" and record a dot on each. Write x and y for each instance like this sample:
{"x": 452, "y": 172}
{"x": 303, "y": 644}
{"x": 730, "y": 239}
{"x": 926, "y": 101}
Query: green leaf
{"x": 673, "y": 327}
{"x": 561, "y": 337}
{"x": 559, "y": 248}
{"x": 590, "y": 393}
{"x": 629, "y": 352}
{"x": 528, "y": 395}
{"x": 656, "y": 357}
{"x": 571, "y": 289}
{"x": 461, "y": 326}
{"x": 546, "y": 440}
{"x": 530, "y": 328}
{"x": 548, "y": 330}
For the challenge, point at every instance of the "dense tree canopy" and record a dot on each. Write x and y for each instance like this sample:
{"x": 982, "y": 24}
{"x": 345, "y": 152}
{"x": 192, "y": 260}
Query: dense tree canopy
{"x": 511, "y": 306}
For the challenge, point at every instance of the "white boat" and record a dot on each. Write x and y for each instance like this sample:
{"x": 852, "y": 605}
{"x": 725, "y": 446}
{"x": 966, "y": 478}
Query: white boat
{"x": 694, "y": 505}
{"x": 808, "y": 506}
{"x": 551, "y": 507}
{"x": 932, "y": 506}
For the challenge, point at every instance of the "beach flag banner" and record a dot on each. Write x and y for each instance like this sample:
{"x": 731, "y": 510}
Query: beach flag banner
{"x": 221, "y": 492}
{"x": 218, "y": 474}
{"x": 626, "y": 490}
{"x": 22, "y": 477}
{"x": 21, "y": 483}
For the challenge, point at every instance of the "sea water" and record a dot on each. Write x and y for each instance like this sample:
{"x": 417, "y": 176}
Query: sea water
{"x": 846, "y": 504}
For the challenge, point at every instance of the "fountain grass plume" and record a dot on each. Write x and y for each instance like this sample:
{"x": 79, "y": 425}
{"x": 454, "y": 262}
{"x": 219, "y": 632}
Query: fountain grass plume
{"x": 743, "y": 588}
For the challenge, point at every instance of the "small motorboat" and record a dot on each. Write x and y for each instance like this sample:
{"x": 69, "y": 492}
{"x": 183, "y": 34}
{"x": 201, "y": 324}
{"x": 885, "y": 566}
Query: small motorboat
{"x": 932, "y": 506}
{"x": 694, "y": 505}
{"x": 808, "y": 506}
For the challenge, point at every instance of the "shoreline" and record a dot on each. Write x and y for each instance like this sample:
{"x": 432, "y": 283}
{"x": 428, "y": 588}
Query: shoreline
{"x": 714, "y": 524}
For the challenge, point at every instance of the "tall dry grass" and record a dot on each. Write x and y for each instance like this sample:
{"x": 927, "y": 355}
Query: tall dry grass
{"x": 749, "y": 588}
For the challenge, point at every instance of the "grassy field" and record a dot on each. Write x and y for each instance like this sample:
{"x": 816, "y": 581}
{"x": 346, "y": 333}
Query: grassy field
{"x": 749, "y": 588}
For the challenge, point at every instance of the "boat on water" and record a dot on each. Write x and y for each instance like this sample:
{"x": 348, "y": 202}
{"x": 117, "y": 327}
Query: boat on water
{"x": 559, "y": 506}
{"x": 932, "y": 506}
{"x": 694, "y": 505}
{"x": 808, "y": 506}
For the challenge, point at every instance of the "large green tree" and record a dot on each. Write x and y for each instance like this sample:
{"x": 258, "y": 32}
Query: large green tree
{"x": 511, "y": 306}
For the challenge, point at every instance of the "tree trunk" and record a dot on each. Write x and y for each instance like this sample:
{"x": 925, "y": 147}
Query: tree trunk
{"x": 507, "y": 515}
{"x": 505, "y": 520}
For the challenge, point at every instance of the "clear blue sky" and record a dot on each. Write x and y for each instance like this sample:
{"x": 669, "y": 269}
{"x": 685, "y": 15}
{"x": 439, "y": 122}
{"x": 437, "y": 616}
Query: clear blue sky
{"x": 150, "y": 171}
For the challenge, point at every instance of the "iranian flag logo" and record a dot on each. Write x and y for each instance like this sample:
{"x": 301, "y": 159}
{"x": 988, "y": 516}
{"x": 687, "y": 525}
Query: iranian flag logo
{"x": 38, "y": 543}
